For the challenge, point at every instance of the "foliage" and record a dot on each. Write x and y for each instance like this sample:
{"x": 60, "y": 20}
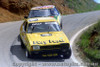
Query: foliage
{"x": 91, "y": 49}
{"x": 82, "y": 5}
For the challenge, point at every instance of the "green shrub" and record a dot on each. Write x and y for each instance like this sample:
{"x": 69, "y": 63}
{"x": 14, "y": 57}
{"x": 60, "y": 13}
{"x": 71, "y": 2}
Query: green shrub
{"x": 82, "y": 5}
{"x": 92, "y": 52}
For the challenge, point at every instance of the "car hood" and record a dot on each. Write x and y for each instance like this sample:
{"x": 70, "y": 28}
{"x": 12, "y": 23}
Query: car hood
{"x": 47, "y": 38}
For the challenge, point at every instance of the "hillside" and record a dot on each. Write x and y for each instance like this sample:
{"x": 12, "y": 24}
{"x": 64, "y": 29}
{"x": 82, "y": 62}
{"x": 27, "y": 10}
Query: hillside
{"x": 16, "y": 9}
{"x": 82, "y": 5}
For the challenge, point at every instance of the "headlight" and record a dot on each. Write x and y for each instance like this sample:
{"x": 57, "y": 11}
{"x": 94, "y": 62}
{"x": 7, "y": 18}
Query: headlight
{"x": 36, "y": 47}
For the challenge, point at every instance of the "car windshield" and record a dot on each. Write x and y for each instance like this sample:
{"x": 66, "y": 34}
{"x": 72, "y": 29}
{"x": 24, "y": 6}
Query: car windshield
{"x": 43, "y": 27}
{"x": 43, "y": 13}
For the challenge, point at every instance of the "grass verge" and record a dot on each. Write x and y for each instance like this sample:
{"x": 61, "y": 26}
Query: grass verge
{"x": 89, "y": 44}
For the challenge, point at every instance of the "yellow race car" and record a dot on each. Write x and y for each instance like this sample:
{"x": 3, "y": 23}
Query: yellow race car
{"x": 44, "y": 37}
{"x": 45, "y": 11}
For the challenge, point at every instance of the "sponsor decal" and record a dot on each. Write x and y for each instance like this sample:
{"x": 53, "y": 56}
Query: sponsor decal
{"x": 30, "y": 20}
{"x": 50, "y": 23}
{"x": 36, "y": 23}
{"x": 39, "y": 42}
{"x": 56, "y": 17}
{"x": 56, "y": 41}
{"x": 44, "y": 7}
{"x": 46, "y": 34}
{"x": 49, "y": 41}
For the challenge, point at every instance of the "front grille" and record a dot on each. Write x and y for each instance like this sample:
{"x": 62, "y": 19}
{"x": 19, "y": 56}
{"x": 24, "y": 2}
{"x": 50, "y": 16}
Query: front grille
{"x": 61, "y": 46}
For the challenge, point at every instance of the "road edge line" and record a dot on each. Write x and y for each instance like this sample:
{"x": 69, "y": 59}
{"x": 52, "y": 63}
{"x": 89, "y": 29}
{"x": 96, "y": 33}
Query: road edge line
{"x": 73, "y": 40}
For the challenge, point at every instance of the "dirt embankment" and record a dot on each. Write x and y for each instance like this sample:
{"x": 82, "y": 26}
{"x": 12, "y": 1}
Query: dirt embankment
{"x": 11, "y": 10}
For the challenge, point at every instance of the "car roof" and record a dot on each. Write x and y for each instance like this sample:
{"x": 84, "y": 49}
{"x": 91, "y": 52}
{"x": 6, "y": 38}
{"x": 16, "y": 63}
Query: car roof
{"x": 43, "y": 7}
{"x": 41, "y": 19}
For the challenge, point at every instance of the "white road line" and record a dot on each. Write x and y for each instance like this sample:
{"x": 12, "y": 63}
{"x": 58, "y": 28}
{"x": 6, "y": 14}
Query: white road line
{"x": 72, "y": 42}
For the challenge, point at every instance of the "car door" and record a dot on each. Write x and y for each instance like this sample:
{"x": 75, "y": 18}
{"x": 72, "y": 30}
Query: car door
{"x": 24, "y": 28}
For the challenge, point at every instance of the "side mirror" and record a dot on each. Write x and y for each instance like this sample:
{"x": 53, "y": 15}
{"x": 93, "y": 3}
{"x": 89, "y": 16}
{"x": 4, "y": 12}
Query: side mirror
{"x": 25, "y": 17}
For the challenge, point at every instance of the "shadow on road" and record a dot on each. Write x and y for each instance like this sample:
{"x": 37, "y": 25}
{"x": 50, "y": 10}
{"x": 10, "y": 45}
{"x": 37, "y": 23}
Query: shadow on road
{"x": 19, "y": 53}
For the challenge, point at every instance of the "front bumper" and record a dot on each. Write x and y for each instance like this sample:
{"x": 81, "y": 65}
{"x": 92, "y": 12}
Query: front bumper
{"x": 46, "y": 53}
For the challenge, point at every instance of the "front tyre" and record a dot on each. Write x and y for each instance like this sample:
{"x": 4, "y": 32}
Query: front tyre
{"x": 27, "y": 54}
{"x": 67, "y": 55}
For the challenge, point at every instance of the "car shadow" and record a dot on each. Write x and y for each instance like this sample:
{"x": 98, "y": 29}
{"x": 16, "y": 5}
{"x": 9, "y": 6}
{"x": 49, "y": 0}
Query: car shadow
{"x": 19, "y": 53}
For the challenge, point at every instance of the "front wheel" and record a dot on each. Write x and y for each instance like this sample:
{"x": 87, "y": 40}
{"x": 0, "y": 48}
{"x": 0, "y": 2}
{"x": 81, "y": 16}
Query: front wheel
{"x": 27, "y": 54}
{"x": 67, "y": 54}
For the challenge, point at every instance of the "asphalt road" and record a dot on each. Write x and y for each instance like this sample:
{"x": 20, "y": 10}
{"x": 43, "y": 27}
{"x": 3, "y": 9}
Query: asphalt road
{"x": 11, "y": 54}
